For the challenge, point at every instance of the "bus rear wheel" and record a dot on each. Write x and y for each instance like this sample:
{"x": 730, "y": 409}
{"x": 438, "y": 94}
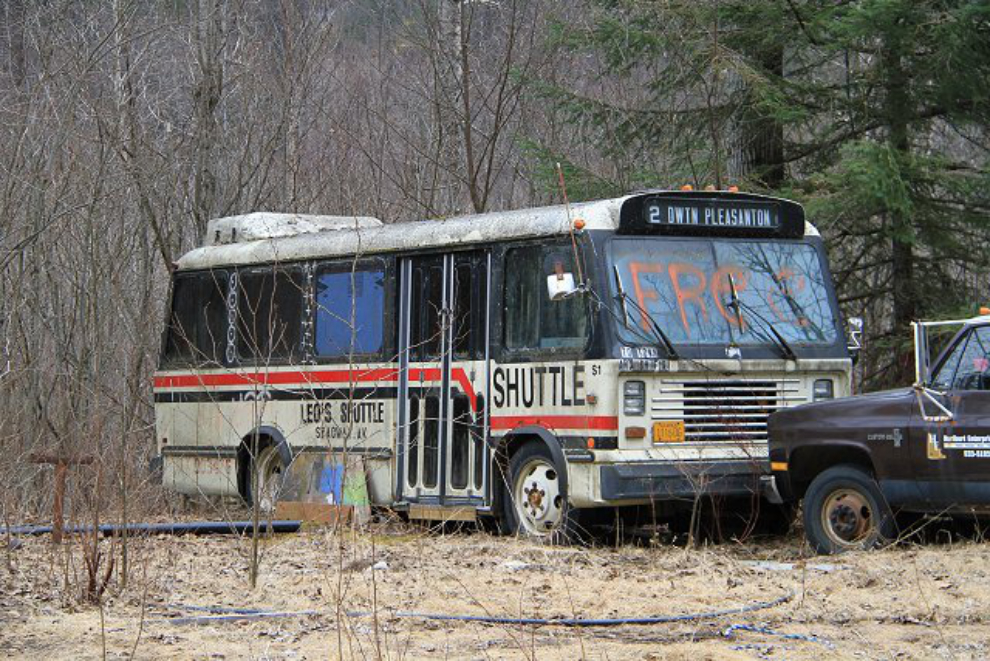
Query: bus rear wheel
{"x": 535, "y": 504}
{"x": 266, "y": 478}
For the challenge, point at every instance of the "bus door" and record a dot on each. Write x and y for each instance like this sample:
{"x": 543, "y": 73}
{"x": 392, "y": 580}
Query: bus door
{"x": 443, "y": 359}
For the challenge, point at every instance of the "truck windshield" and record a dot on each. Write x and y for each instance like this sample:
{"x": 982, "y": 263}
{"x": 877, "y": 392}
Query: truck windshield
{"x": 685, "y": 286}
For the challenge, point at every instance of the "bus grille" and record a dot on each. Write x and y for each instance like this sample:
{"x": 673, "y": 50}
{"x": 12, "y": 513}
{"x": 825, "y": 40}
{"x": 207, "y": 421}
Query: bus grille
{"x": 729, "y": 411}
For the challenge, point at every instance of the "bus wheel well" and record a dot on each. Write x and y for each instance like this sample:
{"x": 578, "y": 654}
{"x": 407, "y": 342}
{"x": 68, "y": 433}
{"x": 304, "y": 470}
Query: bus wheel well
{"x": 251, "y": 445}
{"x": 508, "y": 446}
{"x": 808, "y": 462}
{"x": 512, "y": 443}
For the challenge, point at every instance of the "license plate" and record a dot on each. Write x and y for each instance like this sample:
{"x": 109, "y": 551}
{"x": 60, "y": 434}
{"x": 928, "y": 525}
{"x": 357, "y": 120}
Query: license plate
{"x": 668, "y": 431}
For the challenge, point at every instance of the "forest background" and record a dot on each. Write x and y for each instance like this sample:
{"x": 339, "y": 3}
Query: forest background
{"x": 125, "y": 126}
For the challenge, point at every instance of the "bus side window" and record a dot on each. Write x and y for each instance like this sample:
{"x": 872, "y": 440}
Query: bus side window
{"x": 532, "y": 320}
{"x": 470, "y": 313}
{"x": 197, "y": 327}
{"x": 269, "y": 314}
{"x": 426, "y": 325}
{"x": 350, "y": 311}
{"x": 522, "y": 305}
{"x": 563, "y": 323}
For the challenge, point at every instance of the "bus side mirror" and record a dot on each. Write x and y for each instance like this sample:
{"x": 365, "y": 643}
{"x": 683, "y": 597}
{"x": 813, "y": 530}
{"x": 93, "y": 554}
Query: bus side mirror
{"x": 561, "y": 286}
{"x": 854, "y": 334}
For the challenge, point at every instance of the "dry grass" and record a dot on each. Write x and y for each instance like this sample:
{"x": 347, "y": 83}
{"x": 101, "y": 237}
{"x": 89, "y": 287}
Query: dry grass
{"x": 905, "y": 602}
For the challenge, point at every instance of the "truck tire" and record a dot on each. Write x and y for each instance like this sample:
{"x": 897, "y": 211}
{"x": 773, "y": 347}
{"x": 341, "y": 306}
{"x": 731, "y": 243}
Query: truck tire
{"x": 844, "y": 510}
{"x": 535, "y": 500}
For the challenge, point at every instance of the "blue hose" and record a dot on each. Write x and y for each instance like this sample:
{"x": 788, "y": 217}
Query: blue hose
{"x": 600, "y": 622}
{"x": 766, "y": 631}
{"x": 189, "y": 528}
{"x": 231, "y": 614}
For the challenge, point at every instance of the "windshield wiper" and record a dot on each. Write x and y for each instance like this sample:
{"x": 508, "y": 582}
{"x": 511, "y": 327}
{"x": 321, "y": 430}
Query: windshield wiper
{"x": 625, "y": 299}
{"x": 738, "y": 306}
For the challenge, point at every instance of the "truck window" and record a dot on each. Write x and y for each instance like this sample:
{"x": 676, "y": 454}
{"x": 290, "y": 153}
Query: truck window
{"x": 197, "y": 327}
{"x": 532, "y": 320}
{"x": 970, "y": 362}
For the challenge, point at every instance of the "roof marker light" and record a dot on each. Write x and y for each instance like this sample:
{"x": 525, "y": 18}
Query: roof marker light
{"x": 984, "y": 310}
{"x": 687, "y": 187}
{"x": 733, "y": 189}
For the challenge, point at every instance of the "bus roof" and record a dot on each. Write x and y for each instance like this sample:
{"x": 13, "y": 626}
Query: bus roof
{"x": 260, "y": 238}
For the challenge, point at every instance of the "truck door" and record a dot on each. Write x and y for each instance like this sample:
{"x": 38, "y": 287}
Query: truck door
{"x": 953, "y": 460}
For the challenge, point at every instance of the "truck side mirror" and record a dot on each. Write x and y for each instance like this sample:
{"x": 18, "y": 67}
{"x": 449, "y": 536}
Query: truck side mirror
{"x": 928, "y": 400}
{"x": 921, "y": 354}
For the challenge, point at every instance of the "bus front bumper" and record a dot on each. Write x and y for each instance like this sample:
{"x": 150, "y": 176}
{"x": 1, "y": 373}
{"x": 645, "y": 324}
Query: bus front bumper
{"x": 646, "y": 481}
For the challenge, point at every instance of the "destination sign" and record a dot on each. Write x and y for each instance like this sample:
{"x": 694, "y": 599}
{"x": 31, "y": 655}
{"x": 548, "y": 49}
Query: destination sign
{"x": 711, "y": 213}
{"x": 714, "y": 214}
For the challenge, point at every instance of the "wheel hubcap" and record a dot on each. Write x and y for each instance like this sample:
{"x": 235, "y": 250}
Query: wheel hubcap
{"x": 537, "y": 497}
{"x": 847, "y": 517}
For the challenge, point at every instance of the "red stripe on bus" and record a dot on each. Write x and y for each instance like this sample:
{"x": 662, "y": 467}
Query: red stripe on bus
{"x": 606, "y": 422}
{"x": 275, "y": 378}
{"x": 430, "y": 374}
{"x": 461, "y": 377}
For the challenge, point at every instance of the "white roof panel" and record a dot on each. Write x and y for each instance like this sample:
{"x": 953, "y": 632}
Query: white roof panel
{"x": 258, "y": 238}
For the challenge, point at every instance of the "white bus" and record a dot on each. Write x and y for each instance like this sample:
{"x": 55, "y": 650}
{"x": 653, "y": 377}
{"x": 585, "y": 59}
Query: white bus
{"x": 534, "y": 365}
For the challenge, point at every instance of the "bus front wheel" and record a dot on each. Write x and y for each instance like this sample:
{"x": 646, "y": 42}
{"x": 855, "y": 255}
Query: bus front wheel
{"x": 535, "y": 503}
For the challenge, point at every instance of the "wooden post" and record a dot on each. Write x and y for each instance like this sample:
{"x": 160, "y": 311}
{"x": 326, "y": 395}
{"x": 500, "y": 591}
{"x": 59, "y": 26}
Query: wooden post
{"x": 57, "y": 517}
{"x": 61, "y": 463}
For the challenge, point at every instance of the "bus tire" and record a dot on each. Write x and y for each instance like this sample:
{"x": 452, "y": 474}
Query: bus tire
{"x": 266, "y": 477}
{"x": 844, "y": 510}
{"x": 535, "y": 497}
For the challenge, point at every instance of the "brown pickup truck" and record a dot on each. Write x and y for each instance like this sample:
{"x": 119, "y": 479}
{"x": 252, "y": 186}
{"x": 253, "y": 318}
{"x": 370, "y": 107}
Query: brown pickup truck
{"x": 857, "y": 461}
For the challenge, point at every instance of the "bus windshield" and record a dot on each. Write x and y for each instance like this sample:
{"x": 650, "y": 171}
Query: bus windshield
{"x": 685, "y": 286}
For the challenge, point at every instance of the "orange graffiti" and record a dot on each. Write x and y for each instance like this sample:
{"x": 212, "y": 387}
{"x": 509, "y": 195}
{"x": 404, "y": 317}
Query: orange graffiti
{"x": 686, "y": 294}
{"x": 784, "y": 279}
{"x": 635, "y": 268}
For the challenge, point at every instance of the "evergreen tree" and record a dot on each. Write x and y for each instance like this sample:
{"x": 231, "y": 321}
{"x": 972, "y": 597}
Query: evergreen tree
{"x": 875, "y": 113}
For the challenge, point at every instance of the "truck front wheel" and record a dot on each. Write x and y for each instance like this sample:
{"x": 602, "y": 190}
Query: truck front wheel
{"x": 844, "y": 510}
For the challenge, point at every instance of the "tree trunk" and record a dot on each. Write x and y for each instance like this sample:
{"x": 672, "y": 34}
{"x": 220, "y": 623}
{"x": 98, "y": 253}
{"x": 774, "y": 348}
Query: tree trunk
{"x": 897, "y": 108}
{"x": 209, "y": 36}
{"x": 13, "y": 18}
{"x": 762, "y": 134}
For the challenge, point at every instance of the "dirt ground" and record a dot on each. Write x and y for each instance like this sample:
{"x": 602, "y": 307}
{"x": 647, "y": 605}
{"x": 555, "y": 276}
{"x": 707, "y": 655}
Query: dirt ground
{"x": 908, "y": 602}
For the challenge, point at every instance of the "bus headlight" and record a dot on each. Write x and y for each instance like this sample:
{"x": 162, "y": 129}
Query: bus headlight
{"x": 634, "y": 398}
{"x": 823, "y": 389}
